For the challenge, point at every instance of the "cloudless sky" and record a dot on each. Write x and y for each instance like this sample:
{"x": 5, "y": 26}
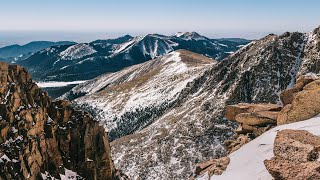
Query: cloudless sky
{"x": 214, "y": 18}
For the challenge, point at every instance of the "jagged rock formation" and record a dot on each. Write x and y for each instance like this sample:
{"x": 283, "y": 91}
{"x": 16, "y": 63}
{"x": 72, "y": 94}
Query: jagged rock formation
{"x": 42, "y": 139}
{"x": 193, "y": 129}
{"x": 295, "y": 156}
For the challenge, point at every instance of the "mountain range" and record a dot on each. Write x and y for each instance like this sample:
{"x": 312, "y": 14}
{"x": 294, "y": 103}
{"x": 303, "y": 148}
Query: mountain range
{"x": 14, "y": 53}
{"x": 85, "y": 61}
{"x": 162, "y": 100}
{"x": 161, "y": 136}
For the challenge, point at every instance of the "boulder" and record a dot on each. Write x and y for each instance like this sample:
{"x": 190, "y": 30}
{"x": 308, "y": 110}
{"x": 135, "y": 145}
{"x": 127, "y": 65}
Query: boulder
{"x": 313, "y": 85}
{"x": 257, "y": 118}
{"x": 304, "y": 106}
{"x": 287, "y": 96}
{"x": 233, "y": 110}
{"x": 296, "y": 146}
{"x": 304, "y": 80}
{"x": 256, "y": 130}
{"x": 212, "y": 167}
{"x": 233, "y": 145}
{"x": 296, "y": 153}
{"x": 241, "y": 130}
{"x": 281, "y": 169}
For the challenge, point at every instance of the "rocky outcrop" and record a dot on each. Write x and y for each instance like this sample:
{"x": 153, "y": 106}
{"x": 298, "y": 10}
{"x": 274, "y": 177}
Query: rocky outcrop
{"x": 233, "y": 110}
{"x": 302, "y": 101}
{"x": 233, "y": 145}
{"x": 212, "y": 167}
{"x": 41, "y": 138}
{"x": 253, "y": 119}
{"x": 295, "y": 156}
{"x": 287, "y": 95}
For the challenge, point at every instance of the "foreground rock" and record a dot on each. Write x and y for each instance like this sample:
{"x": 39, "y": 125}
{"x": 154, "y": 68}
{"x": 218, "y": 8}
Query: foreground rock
{"x": 233, "y": 110}
{"x": 296, "y": 153}
{"x": 212, "y": 167}
{"x": 287, "y": 96}
{"x": 301, "y": 102}
{"x": 254, "y": 119}
{"x": 44, "y": 139}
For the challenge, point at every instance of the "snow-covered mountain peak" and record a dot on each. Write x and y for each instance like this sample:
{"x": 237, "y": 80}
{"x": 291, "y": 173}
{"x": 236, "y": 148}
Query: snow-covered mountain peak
{"x": 152, "y": 45}
{"x": 86, "y": 61}
{"x": 77, "y": 51}
{"x": 190, "y": 36}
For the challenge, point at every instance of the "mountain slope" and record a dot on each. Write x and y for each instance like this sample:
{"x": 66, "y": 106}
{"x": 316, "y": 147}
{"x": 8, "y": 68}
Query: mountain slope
{"x": 131, "y": 99}
{"x": 193, "y": 130}
{"x": 88, "y": 60}
{"x": 18, "y": 53}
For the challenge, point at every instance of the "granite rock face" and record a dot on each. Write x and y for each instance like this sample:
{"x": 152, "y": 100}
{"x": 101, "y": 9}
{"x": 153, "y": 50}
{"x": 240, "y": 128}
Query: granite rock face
{"x": 296, "y": 153}
{"x": 303, "y": 101}
{"x": 41, "y": 138}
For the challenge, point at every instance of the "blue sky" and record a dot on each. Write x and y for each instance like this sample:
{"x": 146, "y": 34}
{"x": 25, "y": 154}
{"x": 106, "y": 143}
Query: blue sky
{"x": 215, "y": 18}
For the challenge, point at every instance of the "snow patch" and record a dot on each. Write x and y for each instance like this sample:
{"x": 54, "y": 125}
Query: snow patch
{"x": 57, "y": 84}
{"x": 4, "y": 158}
{"x": 69, "y": 175}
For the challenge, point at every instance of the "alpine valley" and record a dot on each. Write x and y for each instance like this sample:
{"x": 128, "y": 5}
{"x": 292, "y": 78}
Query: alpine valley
{"x": 165, "y": 107}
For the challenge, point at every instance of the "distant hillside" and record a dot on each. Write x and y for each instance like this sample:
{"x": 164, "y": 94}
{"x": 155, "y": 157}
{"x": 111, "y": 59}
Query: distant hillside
{"x": 18, "y": 52}
{"x": 88, "y": 60}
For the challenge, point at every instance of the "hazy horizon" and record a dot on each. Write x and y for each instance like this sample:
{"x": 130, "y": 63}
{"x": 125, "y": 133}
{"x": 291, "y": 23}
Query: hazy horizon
{"x": 23, "y": 37}
{"x": 83, "y": 21}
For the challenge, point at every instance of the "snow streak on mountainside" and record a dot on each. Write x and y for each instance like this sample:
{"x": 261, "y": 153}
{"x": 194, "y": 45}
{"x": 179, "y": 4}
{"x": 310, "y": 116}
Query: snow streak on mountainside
{"x": 86, "y": 61}
{"x": 192, "y": 129}
{"x": 77, "y": 51}
{"x": 150, "y": 45}
{"x": 311, "y": 56}
{"x": 131, "y": 99}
